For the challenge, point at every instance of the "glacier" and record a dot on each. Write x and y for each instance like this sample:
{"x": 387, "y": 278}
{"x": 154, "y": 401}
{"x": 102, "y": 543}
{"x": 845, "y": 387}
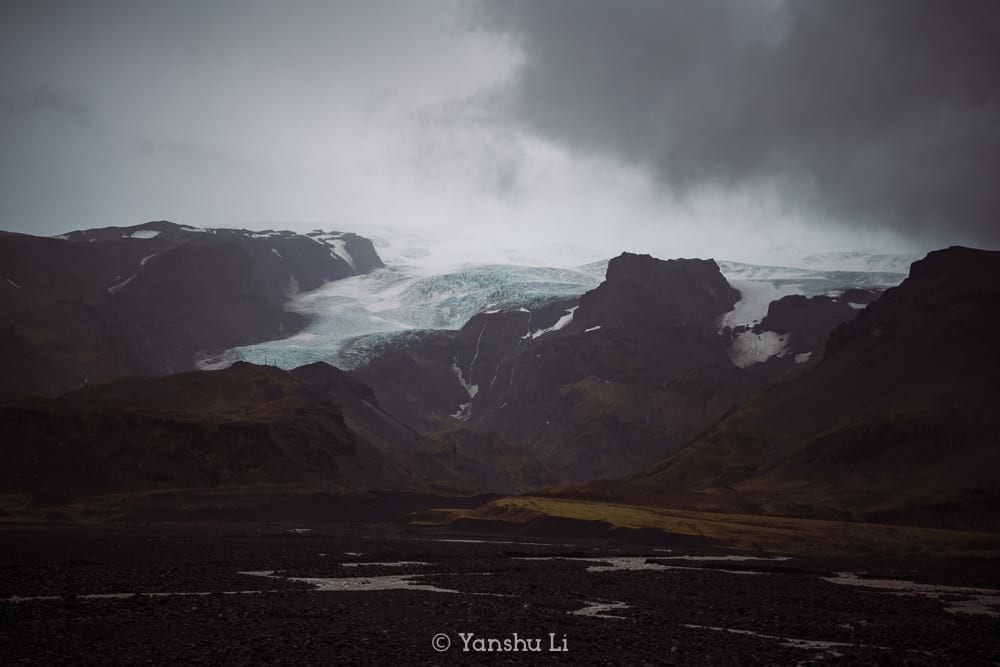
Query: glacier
{"x": 356, "y": 319}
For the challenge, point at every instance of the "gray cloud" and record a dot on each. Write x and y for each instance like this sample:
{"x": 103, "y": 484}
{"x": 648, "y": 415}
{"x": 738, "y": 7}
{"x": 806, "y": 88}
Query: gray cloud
{"x": 875, "y": 113}
{"x": 42, "y": 100}
{"x": 225, "y": 112}
{"x": 563, "y": 131}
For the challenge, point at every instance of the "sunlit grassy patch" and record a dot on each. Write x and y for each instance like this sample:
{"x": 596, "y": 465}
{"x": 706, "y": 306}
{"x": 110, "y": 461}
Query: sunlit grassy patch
{"x": 739, "y": 531}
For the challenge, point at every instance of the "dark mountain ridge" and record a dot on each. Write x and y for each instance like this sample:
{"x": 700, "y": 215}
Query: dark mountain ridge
{"x": 600, "y": 386}
{"x": 897, "y": 422}
{"x": 94, "y": 305}
{"x": 233, "y": 431}
{"x": 804, "y": 323}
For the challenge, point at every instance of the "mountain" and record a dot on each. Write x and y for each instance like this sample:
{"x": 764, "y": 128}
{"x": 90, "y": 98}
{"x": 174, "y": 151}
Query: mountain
{"x": 439, "y": 348}
{"x": 896, "y": 423}
{"x": 791, "y": 338}
{"x": 244, "y": 425}
{"x": 352, "y": 321}
{"x": 98, "y": 304}
{"x": 233, "y": 431}
{"x": 597, "y": 386}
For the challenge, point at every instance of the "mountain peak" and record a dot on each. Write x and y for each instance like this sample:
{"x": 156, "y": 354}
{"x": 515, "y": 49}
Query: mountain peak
{"x": 674, "y": 291}
{"x": 953, "y": 292}
{"x": 630, "y": 264}
{"x": 958, "y": 263}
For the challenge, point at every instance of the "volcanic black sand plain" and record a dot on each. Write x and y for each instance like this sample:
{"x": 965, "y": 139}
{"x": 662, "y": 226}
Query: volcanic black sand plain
{"x": 379, "y": 594}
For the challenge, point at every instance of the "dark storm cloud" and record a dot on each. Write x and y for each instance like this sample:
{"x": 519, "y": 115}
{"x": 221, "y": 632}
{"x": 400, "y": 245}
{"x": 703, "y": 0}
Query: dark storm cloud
{"x": 225, "y": 112}
{"x": 875, "y": 112}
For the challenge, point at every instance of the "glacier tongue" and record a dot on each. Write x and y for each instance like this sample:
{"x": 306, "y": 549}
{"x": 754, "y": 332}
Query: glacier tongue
{"x": 354, "y": 318}
{"x": 756, "y": 296}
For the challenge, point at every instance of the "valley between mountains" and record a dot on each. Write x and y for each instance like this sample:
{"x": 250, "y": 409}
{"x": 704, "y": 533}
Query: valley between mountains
{"x": 247, "y": 446}
{"x": 689, "y": 384}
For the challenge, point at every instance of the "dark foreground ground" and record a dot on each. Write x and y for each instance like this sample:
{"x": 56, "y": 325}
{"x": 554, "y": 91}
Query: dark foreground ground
{"x": 177, "y": 595}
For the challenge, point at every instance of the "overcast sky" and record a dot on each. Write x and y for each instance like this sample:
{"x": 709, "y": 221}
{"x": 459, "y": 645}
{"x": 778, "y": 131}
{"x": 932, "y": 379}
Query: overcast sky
{"x": 564, "y": 129}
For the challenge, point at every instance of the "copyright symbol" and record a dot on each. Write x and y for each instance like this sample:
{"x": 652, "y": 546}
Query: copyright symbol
{"x": 441, "y": 642}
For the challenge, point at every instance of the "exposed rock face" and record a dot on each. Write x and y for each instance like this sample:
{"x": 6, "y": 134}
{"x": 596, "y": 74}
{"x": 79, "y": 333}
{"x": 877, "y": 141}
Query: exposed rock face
{"x": 99, "y": 304}
{"x": 803, "y": 325}
{"x": 596, "y": 388}
{"x": 642, "y": 291}
{"x": 417, "y": 382}
{"x": 897, "y": 422}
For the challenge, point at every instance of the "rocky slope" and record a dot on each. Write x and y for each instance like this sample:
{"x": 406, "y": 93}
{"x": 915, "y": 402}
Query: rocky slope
{"x": 599, "y": 386}
{"x": 791, "y": 338}
{"x": 98, "y": 304}
{"x": 247, "y": 425}
{"x": 352, "y": 322}
{"x": 897, "y": 422}
{"x": 244, "y": 427}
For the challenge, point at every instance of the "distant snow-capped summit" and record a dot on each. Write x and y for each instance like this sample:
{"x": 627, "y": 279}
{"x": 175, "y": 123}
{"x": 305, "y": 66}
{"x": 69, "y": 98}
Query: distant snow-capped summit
{"x": 859, "y": 261}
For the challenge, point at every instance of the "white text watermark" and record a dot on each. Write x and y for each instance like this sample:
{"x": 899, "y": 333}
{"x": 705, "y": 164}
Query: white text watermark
{"x": 470, "y": 642}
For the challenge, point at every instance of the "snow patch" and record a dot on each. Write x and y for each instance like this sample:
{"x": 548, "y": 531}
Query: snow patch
{"x": 321, "y": 237}
{"x": 277, "y": 254}
{"x": 144, "y": 234}
{"x": 471, "y": 389}
{"x": 857, "y": 306}
{"x": 335, "y": 243}
{"x": 464, "y": 412}
{"x": 217, "y": 362}
{"x": 561, "y": 323}
{"x": 339, "y": 249}
{"x": 145, "y": 259}
{"x": 15, "y": 285}
{"x": 803, "y": 357}
{"x": 114, "y": 289}
{"x": 751, "y": 348}
{"x": 592, "y": 329}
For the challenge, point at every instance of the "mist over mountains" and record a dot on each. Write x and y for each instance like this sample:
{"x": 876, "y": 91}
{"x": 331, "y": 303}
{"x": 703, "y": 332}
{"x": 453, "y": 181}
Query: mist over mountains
{"x": 499, "y": 331}
{"x": 483, "y": 378}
